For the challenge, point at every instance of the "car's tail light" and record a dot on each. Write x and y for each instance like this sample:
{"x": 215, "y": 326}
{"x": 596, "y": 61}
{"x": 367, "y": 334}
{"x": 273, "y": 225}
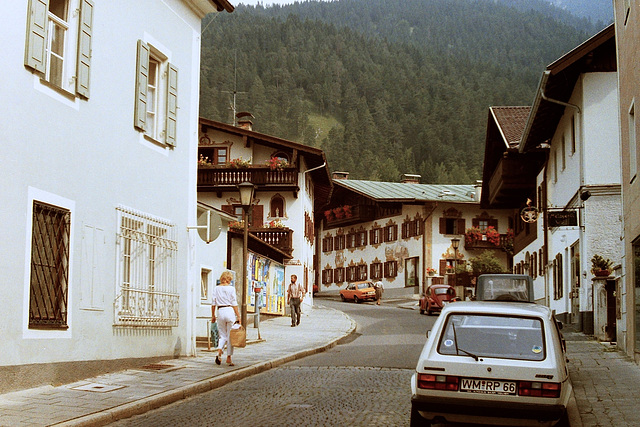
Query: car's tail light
{"x": 438, "y": 382}
{"x": 538, "y": 389}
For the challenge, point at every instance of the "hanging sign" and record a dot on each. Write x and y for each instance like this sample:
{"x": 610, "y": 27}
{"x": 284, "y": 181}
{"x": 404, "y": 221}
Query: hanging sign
{"x": 563, "y": 218}
{"x": 529, "y": 214}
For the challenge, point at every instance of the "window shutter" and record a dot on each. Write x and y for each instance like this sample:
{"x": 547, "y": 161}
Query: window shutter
{"x": 460, "y": 226}
{"x": 443, "y": 225}
{"x": 395, "y": 232}
{"x": 443, "y": 267}
{"x": 227, "y": 209}
{"x": 172, "y": 105}
{"x": 256, "y": 216}
{"x": 84, "y": 48}
{"x": 475, "y": 222}
{"x": 493, "y": 223}
{"x": 142, "y": 84}
{"x": 34, "y": 55}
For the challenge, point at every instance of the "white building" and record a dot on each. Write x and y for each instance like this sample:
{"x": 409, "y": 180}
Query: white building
{"x": 569, "y": 161}
{"x": 99, "y": 138}
{"x": 399, "y": 231}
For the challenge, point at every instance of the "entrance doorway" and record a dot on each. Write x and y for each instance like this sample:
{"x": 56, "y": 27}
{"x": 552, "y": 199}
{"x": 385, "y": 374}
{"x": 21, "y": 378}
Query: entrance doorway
{"x": 575, "y": 285}
{"x": 411, "y": 272}
{"x": 610, "y": 328}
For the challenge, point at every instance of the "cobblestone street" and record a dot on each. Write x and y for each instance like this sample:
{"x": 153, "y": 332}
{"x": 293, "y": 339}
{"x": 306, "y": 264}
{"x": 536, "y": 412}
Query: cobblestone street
{"x": 337, "y": 397}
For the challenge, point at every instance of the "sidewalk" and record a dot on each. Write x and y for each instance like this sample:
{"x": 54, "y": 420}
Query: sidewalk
{"x": 605, "y": 382}
{"x": 106, "y": 398}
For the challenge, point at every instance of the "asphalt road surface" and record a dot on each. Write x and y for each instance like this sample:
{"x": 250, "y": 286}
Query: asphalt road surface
{"x": 364, "y": 381}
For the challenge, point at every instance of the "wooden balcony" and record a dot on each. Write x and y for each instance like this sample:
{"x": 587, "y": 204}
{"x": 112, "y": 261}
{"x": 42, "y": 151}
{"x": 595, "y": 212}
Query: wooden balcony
{"x": 226, "y": 178}
{"x": 359, "y": 213}
{"x": 476, "y": 244}
{"x": 512, "y": 179}
{"x": 281, "y": 238}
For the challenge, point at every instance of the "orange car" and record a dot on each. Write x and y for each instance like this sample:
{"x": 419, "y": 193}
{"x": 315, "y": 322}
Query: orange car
{"x": 358, "y": 291}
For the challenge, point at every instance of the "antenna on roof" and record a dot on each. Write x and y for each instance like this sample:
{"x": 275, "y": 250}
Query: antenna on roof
{"x": 235, "y": 87}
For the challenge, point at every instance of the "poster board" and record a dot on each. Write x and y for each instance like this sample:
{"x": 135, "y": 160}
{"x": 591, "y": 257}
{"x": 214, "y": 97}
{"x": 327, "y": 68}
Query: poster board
{"x": 268, "y": 276}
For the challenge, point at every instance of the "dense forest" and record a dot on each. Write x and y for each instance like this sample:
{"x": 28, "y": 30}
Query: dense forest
{"x": 385, "y": 87}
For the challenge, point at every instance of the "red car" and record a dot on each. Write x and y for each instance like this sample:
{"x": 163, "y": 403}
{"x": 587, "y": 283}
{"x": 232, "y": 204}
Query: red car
{"x": 436, "y": 297}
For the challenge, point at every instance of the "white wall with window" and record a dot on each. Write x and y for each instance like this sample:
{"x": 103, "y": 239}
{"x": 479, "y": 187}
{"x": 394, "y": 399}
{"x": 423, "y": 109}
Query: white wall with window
{"x": 83, "y": 162}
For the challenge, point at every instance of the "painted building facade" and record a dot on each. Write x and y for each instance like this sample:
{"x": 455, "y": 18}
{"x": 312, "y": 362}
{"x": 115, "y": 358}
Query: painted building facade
{"x": 401, "y": 233}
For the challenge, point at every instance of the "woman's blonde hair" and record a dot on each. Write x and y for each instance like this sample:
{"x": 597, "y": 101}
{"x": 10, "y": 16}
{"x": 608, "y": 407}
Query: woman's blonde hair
{"x": 226, "y": 276}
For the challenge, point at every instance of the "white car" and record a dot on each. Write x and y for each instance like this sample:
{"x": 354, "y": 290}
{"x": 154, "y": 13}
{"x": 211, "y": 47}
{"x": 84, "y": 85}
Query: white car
{"x": 496, "y": 363}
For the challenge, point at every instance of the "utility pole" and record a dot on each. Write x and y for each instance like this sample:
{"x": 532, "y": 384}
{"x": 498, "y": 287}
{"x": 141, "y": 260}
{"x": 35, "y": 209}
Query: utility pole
{"x": 235, "y": 87}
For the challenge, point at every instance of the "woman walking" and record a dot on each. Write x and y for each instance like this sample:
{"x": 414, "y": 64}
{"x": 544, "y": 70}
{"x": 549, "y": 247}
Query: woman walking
{"x": 224, "y": 298}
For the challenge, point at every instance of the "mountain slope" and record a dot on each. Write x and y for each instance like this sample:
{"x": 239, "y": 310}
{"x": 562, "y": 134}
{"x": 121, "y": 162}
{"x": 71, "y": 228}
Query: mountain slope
{"x": 408, "y": 82}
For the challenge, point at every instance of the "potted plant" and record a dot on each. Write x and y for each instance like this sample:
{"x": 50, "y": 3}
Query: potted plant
{"x": 493, "y": 236}
{"x": 601, "y": 266}
{"x": 431, "y": 271}
{"x": 472, "y": 235}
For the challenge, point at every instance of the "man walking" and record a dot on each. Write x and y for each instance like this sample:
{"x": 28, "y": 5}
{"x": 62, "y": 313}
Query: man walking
{"x": 295, "y": 294}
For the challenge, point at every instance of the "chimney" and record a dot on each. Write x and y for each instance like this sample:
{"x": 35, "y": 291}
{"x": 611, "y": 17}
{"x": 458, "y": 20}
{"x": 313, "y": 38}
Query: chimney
{"x": 340, "y": 175}
{"x": 408, "y": 178}
{"x": 478, "y": 188}
{"x": 243, "y": 119}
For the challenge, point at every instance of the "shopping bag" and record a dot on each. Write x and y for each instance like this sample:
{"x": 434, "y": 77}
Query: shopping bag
{"x": 215, "y": 335}
{"x": 238, "y": 336}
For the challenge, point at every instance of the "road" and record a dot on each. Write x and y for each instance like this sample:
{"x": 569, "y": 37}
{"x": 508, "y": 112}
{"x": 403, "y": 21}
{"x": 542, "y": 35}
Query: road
{"x": 364, "y": 381}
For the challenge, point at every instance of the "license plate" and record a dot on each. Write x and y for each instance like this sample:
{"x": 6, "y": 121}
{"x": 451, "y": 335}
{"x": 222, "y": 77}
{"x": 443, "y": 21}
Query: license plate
{"x": 474, "y": 385}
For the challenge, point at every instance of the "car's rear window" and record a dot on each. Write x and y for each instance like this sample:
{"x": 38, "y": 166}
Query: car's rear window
{"x": 440, "y": 291}
{"x": 485, "y": 335}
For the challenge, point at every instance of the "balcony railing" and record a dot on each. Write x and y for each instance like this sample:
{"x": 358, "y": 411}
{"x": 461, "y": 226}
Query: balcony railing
{"x": 356, "y": 213}
{"x": 484, "y": 243}
{"x": 281, "y": 238}
{"x": 226, "y": 176}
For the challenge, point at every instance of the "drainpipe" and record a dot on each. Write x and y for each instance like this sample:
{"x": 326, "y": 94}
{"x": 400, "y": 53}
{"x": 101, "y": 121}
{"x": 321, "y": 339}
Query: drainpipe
{"x": 424, "y": 245}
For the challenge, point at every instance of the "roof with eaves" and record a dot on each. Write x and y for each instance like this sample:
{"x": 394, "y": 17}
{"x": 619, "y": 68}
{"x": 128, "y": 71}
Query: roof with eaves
{"x": 409, "y": 192}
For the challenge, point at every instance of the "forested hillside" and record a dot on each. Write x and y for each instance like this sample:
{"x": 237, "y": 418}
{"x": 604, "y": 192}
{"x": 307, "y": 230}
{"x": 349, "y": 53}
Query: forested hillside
{"x": 383, "y": 86}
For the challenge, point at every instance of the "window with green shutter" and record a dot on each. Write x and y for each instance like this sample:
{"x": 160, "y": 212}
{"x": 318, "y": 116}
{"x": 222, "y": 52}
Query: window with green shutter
{"x": 156, "y": 95}
{"x": 58, "y": 43}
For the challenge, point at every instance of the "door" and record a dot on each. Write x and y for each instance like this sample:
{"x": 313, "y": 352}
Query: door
{"x": 575, "y": 283}
{"x": 411, "y": 272}
{"x": 610, "y": 328}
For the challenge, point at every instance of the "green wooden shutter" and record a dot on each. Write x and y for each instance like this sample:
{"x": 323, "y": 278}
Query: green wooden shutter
{"x": 84, "y": 48}
{"x": 142, "y": 84}
{"x": 34, "y": 55}
{"x": 172, "y": 104}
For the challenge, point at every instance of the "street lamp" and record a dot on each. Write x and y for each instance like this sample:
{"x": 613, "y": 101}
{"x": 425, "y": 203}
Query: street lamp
{"x": 246, "y": 190}
{"x": 455, "y": 243}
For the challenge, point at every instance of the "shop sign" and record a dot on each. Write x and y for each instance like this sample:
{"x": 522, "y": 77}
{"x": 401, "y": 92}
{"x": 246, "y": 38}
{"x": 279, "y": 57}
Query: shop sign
{"x": 564, "y": 218}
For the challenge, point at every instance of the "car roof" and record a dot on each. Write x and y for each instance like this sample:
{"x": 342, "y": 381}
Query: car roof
{"x": 499, "y": 308}
{"x": 366, "y": 282}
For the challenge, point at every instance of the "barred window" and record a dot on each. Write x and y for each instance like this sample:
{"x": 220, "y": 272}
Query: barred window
{"x": 339, "y": 243}
{"x": 148, "y": 289}
{"x": 327, "y": 276}
{"x": 49, "y": 281}
{"x": 338, "y": 275}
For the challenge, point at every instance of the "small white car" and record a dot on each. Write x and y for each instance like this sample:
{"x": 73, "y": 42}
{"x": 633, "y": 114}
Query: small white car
{"x": 496, "y": 363}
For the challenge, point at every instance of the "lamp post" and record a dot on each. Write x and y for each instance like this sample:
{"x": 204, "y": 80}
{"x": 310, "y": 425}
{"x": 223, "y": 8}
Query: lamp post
{"x": 455, "y": 243}
{"x": 246, "y": 190}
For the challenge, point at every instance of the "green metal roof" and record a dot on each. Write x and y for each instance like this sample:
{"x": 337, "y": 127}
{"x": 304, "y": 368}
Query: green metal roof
{"x": 401, "y": 192}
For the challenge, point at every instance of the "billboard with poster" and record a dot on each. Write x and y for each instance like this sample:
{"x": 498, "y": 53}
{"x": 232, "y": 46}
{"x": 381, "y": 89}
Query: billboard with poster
{"x": 265, "y": 277}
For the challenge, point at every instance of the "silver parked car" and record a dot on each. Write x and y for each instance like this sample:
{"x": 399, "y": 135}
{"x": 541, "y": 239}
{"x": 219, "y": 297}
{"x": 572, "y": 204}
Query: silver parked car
{"x": 496, "y": 363}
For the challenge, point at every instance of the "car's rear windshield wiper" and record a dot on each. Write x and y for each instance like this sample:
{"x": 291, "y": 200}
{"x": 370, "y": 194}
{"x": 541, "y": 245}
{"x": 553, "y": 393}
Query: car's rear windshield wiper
{"x": 458, "y": 350}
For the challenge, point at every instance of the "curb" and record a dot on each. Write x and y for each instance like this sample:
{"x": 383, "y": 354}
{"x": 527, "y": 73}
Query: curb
{"x": 149, "y": 403}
